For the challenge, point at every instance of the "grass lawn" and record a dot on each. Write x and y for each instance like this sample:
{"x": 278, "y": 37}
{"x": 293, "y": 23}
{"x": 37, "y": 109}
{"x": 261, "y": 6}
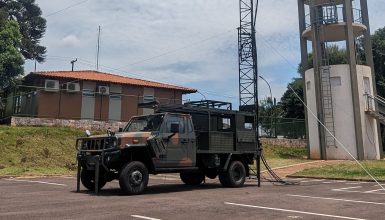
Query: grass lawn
{"x": 51, "y": 151}
{"x": 37, "y": 150}
{"x": 277, "y": 156}
{"x": 348, "y": 170}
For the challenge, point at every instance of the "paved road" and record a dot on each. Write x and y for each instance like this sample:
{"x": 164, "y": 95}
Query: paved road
{"x": 168, "y": 198}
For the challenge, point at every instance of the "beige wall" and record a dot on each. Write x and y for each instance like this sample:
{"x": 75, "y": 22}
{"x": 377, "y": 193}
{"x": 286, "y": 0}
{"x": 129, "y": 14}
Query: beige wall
{"x": 130, "y": 99}
{"x": 76, "y": 106}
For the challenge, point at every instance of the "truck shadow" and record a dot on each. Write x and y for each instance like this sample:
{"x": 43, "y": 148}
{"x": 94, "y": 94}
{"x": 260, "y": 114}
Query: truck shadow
{"x": 162, "y": 189}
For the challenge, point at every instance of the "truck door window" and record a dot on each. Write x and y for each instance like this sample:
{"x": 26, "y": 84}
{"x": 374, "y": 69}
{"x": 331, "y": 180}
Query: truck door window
{"x": 175, "y": 120}
{"x": 226, "y": 123}
{"x": 248, "y": 123}
{"x": 190, "y": 128}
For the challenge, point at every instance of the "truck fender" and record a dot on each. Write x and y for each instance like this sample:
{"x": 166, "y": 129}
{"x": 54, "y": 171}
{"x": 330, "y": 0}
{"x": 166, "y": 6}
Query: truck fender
{"x": 227, "y": 162}
{"x": 142, "y": 152}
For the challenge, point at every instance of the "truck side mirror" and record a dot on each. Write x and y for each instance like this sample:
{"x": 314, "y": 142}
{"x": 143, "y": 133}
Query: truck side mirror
{"x": 174, "y": 128}
{"x": 120, "y": 130}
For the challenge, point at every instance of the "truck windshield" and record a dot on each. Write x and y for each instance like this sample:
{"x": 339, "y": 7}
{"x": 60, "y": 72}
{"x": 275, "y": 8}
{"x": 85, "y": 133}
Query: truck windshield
{"x": 144, "y": 123}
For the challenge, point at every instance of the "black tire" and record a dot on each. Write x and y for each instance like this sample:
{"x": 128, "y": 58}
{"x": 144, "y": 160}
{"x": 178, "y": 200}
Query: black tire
{"x": 235, "y": 175}
{"x": 88, "y": 179}
{"x": 211, "y": 173}
{"x": 192, "y": 178}
{"x": 223, "y": 179}
{"x": 133, "y": 178}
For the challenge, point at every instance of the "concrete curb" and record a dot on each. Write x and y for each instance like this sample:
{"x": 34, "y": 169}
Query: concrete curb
{"x": 335, "y": 178}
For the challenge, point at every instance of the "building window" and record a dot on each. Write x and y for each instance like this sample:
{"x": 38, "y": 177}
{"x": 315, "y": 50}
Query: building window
{"x": 116, "y": 95}
{"x": 88, "y": 93}
{"x": 18, "y": 104}
{"x": 308, "y": 85}
{"x": 148, "y": 98}
{"x": 367, "y": 89}
{"x": 335, "y": 81}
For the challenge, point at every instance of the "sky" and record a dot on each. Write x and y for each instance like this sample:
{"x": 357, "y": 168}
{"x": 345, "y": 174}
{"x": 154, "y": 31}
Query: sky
{"x": 188, "y": 43}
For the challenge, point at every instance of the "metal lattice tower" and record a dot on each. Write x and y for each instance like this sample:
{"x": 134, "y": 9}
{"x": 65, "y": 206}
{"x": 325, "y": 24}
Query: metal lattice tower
{"x": 247, "y": 50}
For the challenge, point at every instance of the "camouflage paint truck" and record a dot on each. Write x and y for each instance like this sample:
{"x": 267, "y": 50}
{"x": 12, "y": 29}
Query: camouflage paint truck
{"x": 191, "y": 140}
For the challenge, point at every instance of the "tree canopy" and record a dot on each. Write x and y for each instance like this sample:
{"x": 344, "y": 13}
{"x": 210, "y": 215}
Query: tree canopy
{"x": 378, "y": 42}
{"x": 290, "y": 105}
{"x": 11, "y": 60}
{"x": 32, "y": 26}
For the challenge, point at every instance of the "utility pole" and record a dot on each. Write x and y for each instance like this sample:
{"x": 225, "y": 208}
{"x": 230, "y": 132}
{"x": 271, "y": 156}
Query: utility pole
{"x": 98, "y": 50}
{"x": 271, "y": 109}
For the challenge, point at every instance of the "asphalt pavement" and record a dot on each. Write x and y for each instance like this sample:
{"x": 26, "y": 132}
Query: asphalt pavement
{"x": 168, "y": 198}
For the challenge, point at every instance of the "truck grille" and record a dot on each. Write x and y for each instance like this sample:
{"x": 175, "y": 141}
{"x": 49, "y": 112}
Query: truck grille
{"x": 95, "y": 144}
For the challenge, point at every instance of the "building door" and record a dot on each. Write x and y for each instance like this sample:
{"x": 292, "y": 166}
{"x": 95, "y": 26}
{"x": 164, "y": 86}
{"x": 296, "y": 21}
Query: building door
{"x": 88, "y": 100}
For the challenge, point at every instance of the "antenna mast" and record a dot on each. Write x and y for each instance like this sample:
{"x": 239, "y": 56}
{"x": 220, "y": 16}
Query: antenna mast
{"x": 98, "y": 50}
{"x": 248, "y": 69}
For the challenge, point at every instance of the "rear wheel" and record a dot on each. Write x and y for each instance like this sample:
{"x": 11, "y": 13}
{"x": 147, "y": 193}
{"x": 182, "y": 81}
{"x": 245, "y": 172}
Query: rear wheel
{"x": 88, "y": 179}
{"x": 133, "y": 178}
{"x": 192, "y": 178}
{"x": 235, "y": 176}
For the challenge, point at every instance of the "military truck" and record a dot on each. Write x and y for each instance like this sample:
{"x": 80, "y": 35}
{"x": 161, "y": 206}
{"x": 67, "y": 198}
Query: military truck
{"x": 196, "y": 140}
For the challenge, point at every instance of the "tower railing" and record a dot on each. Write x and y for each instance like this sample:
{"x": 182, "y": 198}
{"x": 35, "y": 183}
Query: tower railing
{"x": 333, "y": 15}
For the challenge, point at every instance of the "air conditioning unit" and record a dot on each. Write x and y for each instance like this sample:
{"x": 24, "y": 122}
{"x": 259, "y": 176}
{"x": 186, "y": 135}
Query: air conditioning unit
{"x": 103, "y": 90}
{"x": 51, "y": 85}
{"x": 72, "y": 87}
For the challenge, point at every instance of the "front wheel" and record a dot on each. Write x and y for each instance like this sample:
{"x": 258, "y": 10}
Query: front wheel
{"x": 133, "y": 178}
{"x": 88, "y": 179}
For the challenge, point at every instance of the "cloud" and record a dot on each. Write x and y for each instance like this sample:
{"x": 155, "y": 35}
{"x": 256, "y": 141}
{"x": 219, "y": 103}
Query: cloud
{"x": 70, "y": 41}
{"x": 200, "y": 34}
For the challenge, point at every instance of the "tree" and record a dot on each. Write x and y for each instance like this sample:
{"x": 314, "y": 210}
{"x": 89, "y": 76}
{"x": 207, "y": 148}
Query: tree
{"x": 11, "y": 60}
{"x": 265, "y": 111}
{"x": 378, "y": 42}
{"x": 336, "y": 55}
{"x": 32, "y": 26}
{"x": 290, "y": 104}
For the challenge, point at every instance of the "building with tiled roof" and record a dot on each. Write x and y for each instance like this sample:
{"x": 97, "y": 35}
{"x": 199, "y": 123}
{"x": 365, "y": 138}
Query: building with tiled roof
{"x": 88, "y": 95}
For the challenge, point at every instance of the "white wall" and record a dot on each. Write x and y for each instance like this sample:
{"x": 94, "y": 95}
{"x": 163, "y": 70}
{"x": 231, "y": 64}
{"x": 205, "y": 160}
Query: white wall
{"x": 343, "y": 115}
{"x": 314, "y": 143}
{"x": 370, "y": 132}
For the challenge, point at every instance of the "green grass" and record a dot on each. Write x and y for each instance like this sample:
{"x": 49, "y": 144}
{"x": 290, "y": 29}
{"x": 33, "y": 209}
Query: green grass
{"x": 347, "y": 170}
{"x": 37, "y": 150}
{"x": 277, "y": 156}
{"x": 51, "y": 151}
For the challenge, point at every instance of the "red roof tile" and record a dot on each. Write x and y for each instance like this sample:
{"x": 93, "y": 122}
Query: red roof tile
{"x": 108, "y": 77}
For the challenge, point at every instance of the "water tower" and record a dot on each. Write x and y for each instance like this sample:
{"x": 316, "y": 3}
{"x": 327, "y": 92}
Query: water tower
{"x": 338, "y": 92}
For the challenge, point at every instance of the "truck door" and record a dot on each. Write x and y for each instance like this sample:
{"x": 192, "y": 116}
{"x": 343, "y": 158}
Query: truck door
{"x": 191, "y": 138}
{"x": 177, "y": 145}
